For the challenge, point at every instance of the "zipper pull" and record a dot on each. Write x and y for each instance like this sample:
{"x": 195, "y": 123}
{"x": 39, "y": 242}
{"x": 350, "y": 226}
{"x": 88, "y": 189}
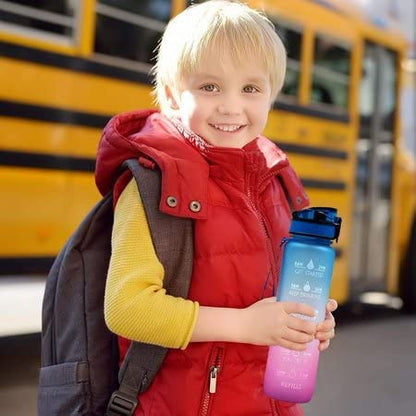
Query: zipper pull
{"x": 283, "y": 242}
{"x": 213, "y": 373}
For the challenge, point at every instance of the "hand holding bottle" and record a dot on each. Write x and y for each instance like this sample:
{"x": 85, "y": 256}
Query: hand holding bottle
{"x": 268, "y": 322}
{"x": 265, "y": 322}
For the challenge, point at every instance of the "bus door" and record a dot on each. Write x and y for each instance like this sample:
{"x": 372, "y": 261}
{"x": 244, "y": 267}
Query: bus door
{"x": 374, "y": 147}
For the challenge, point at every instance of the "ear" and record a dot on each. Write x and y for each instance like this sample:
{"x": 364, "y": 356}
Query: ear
{"x": 170, "y": 98}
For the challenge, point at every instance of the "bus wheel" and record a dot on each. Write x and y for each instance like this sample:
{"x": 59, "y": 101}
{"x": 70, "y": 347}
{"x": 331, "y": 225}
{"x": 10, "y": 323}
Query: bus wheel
{"x": 408, "y": 274}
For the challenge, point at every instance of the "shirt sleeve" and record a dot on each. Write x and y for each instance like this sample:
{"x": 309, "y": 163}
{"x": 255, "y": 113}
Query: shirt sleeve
{"x": 136, "y": 305}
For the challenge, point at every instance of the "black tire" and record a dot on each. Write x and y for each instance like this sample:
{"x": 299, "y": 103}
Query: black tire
{"x": 408, "y": 274}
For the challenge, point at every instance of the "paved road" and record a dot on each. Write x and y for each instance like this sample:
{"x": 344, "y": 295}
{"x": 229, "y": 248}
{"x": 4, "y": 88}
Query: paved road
{"x": 369, "y": 370}
{"x": 19, "y": 363}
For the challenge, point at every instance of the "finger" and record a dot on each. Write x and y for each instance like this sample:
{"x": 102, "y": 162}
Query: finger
{"x": 299, "y": 308}
{"x": 300, "y": 325}
{"x": 331, "y": 305}
{"x": 326, "y": 325}
{"x": 329, "y": 320}
{"x": 328, "y": 316}
{"x": 323, "y": 345}
{"x": 292, "y": 335}
{"x": 292, "y": 345}
{"x": 325, "y": 335}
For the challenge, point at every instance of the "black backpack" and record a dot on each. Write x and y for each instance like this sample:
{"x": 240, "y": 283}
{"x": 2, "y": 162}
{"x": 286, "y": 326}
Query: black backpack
{"x": 79, "y": 372}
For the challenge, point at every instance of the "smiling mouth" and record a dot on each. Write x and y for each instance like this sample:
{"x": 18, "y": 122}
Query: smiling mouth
{"x": 228, "y": 128}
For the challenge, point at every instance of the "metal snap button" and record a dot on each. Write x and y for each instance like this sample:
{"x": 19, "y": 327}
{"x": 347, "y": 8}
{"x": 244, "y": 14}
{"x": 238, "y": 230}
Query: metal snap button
{"x": 195, "y": 206}
{"x": 171, "y": 201}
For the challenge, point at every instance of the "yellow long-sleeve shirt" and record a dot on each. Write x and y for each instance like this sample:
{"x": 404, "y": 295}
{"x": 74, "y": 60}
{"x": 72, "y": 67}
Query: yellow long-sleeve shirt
{"x": 136, "y": 305}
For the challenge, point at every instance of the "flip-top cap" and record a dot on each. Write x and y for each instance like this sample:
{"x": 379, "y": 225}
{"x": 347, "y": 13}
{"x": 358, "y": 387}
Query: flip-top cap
{"x": 316, "y": 222}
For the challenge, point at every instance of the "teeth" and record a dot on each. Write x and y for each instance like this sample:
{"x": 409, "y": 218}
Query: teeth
{"x": 227, "y": 127}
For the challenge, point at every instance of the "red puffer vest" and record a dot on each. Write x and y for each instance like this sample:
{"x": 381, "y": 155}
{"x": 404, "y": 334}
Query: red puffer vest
{"x": 239, "y": 200}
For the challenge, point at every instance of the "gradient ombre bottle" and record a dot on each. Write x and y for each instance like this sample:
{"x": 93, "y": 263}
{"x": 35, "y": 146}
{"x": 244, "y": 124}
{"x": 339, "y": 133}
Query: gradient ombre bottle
{"x": 305, "y": 277}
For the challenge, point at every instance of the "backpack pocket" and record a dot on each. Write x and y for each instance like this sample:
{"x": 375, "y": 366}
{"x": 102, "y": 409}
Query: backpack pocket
{"x": 64, "y": 390}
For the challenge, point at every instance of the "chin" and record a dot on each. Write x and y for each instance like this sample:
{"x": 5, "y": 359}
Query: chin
{"x": 232, "y": 144}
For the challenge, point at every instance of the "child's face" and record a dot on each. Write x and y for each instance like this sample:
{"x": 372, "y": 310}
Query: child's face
{"x": 224, "y": 103}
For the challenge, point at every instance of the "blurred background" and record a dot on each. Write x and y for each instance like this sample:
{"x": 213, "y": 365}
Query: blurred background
{"x": 345, "y": 117}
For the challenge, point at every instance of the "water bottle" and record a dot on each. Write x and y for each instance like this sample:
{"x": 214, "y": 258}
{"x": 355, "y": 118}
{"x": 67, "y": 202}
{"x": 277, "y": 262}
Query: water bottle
{"x": 305, "y": 276}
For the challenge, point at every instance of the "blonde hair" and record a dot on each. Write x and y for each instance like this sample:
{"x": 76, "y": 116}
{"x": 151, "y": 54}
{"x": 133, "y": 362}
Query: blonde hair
{"x": 227, "y": 26}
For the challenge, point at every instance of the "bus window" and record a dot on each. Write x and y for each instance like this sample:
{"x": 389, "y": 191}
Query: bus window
{"x": 388, "y": 101}
{"x": 330, "y": 73}
{"x": 292, "y": 39}
{"x": 130, "y": 29}
{"x": 374, "y": 59}
{"x": 43, "y": 19}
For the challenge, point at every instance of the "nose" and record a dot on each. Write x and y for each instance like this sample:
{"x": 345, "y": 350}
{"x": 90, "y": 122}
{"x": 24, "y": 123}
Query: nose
{"x": 230, "y": 104}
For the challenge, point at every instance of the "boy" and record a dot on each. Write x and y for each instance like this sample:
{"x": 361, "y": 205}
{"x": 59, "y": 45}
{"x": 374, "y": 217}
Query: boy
{"x": 219, "y": 67}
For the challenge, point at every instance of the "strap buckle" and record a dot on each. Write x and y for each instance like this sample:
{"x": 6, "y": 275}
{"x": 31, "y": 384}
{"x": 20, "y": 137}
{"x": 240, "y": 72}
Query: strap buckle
{"x": 121, "y": 404}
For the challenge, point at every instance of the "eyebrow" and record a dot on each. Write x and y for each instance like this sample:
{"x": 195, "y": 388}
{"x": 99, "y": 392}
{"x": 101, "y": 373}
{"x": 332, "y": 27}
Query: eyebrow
{"x": 261, "y": 81}
{"x": 254, "y": 80}
{"x": 205, "y": 75}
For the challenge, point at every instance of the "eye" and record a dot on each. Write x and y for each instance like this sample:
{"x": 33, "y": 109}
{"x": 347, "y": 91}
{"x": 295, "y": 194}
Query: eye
{"x": 210, "y": 88}
{"x": 250, "y": 89}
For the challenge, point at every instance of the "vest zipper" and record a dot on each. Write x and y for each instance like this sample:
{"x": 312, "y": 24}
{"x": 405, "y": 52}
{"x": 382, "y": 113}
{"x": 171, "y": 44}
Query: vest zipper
{"x": 275, "y": 412}
{"x": 262, "y": 222}
{"x": 215, "y": 364}
{"x": 258, "y": 214}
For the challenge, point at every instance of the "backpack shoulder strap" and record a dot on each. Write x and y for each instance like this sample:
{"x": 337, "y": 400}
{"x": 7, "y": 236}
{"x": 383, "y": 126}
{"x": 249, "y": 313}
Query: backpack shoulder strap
{"x": 173, "y": 241}
{"x": 172, "y": 236}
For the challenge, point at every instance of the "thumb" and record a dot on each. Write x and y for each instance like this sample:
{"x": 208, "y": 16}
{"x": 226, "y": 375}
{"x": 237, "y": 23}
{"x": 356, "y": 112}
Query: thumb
{"x": 300, "y": 308}
{"x": 332, "y": 305}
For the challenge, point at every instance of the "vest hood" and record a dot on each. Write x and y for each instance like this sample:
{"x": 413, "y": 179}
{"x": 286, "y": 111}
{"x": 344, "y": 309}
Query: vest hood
{"x": 151, "y": 138}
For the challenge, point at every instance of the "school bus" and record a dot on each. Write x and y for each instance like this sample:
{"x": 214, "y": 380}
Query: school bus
{"x": 67, "y": 66}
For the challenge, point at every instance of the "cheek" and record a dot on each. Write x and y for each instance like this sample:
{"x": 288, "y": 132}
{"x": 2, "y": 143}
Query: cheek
{"x": 188, "y": 106}
{"x": 261, "y": 115}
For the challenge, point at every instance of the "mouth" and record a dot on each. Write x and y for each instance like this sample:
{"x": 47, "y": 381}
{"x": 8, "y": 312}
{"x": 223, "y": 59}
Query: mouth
{"x": 228, "y": 128}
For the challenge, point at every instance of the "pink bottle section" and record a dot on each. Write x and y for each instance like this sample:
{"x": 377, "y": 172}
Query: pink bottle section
{"x": 290, "y": 375}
